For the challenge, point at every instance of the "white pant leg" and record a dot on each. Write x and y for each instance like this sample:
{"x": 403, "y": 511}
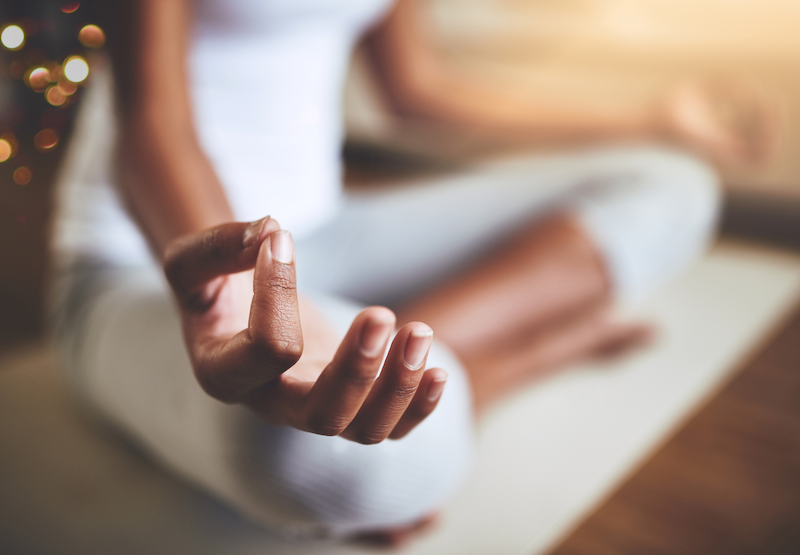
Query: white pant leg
{"x": 132, "y": 366}
{"x": 650, "y": 210}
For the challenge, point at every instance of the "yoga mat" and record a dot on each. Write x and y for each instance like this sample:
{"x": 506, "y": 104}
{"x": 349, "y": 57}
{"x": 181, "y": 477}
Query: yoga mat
{"x": 546, "y": 457}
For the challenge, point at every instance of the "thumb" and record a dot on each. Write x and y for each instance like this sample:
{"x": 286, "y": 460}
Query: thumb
{"x": 273, "y": 340}
{"x": 274, "y": 314}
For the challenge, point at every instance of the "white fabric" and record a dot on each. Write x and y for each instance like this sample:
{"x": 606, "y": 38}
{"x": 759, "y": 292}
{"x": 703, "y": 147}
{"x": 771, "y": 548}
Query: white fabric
{"x": 651, "y": 212}
{"x": 133, "y": 368}
{"x": 266, "y": 79}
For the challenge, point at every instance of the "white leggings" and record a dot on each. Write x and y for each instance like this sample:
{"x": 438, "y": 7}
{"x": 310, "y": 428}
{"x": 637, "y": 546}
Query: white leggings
{"x": 651, "y": 212}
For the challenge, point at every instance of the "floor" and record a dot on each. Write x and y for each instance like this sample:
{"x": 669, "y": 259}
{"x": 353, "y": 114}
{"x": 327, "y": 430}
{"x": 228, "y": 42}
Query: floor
{"x": 727, "y": 483}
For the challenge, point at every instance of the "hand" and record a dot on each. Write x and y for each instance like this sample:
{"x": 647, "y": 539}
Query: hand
{"x": 246, "y": 347}
{"x": 730, "y": 120}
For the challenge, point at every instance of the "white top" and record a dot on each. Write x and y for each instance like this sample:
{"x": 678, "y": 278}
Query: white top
{"x": 266, "y": 79}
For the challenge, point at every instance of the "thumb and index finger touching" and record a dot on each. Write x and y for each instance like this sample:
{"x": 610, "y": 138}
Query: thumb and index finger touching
{"x": 232, "y": 365}
{"x": 196, "y": 266}
{"x": 192, "y": 262}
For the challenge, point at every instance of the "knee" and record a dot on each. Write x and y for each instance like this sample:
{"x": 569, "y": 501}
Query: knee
{"x": 682, "y": 199}
{"x": 329, "y": 486}
{"x": 693, "y": 190}
{"x": 654, "y": 217}
{"x": 325, "y": 486}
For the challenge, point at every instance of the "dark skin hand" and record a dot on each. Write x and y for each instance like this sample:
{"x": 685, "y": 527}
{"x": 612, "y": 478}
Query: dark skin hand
{"x": 235, "y": 282}
{"x": 261, "y": 362}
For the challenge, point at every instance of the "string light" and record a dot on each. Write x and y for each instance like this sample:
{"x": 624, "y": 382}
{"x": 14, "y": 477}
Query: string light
{"x": 54, "y": 68}
{"x": 67, "y": 87}
{"x": 76, "y": 69}
{"x": 11, "y": 139}
{"x": 58, "y": 81}
{"x": 92, "y": 36}
{"x": 13, "y": 37}
{"x": 22, "y": 175}
{"x": 55, "y": 95}
{"x": 5, "y": 150}
{"x": 45, "y": 140}
{"x": 38, "y": 79}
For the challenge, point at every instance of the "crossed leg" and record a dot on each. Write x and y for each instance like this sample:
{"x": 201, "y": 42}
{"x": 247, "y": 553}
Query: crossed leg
{"x": 513, "y": 265}
{"x": 134, "y": 369}
{"x": 541, "y": 302}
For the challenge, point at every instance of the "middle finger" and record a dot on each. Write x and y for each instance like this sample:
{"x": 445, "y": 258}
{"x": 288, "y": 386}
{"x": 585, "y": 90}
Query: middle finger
{"x": 396, "y": 386}
{"x": 344, "y": 384}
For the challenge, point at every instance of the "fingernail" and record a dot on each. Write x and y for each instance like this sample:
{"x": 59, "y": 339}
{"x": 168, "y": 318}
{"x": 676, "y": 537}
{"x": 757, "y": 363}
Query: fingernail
{"x": 373, "y": 338}
{"x": 282, "y": 247}
{"x": 253, "y": 232}
{"x": 419, "y": 341}
{"x": 435, "y": 388}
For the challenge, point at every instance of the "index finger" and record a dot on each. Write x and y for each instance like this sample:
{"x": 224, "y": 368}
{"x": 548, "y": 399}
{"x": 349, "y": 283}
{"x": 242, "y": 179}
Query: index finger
{"x": 192, "y": 261}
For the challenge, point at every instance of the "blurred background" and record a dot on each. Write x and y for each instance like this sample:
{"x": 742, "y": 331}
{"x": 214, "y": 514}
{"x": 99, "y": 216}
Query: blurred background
{"x": 609, "y": 54}
{"x": 616, "y": 54}
{"x": 613, "y": 55}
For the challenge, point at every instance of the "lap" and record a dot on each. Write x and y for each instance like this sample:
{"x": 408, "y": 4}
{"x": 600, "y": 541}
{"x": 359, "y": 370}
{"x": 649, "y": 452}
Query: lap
{"x": 132, "y": 367}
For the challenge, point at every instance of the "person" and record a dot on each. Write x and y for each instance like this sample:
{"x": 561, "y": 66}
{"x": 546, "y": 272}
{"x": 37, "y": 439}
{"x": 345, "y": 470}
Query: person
{"x": 184, "y": 327}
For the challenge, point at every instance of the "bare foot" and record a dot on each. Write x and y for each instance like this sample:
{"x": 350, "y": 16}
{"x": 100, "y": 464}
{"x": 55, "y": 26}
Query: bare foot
{"x": 595, "y": 334}
{"x": 395, "y": 538}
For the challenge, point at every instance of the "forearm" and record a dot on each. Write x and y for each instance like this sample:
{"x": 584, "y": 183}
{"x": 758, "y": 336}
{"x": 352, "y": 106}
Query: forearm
{"x": 419, "y": 82}
{"x": 460, "y": 100}
{"x": 166, "y": 179}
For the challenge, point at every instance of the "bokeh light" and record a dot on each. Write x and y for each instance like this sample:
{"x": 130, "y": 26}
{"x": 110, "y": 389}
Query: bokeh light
{"x": 22, "y": 175}
{"x": 54, "y": 68}
{"x": 70, "y": 7}
{"x": 45, "y": 140}
{"x": 5, "y": 150}
{"x": 55, "y": 96}
{"x": 39, "y": 78}
{"x": 67, "y": 87}
{"x": 76, "y": 69}
{"x": 11, "y": 139}
{"x": 13, "y": 37}
{"x": 92, "y": 36}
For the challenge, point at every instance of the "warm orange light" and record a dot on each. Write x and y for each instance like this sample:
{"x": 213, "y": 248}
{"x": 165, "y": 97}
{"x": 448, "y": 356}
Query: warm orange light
{"x": 76, "y": 69}
{"x": 54, "y": 96}
{"x": 70, "y": 7}
{"x": 67, "y": 87}
{"x": 5, "y": 150}
{"x": 45, "y": 140}
{"x": 22, "y": 175}
{"x": 39, "y": 78}
{"x": 55, "y": 70}
{"x": 11, "y": 139}
{"x": 92, "y": 36}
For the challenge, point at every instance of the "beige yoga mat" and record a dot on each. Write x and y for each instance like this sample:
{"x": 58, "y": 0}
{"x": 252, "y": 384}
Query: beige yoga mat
{"x": 547, "y": 457}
